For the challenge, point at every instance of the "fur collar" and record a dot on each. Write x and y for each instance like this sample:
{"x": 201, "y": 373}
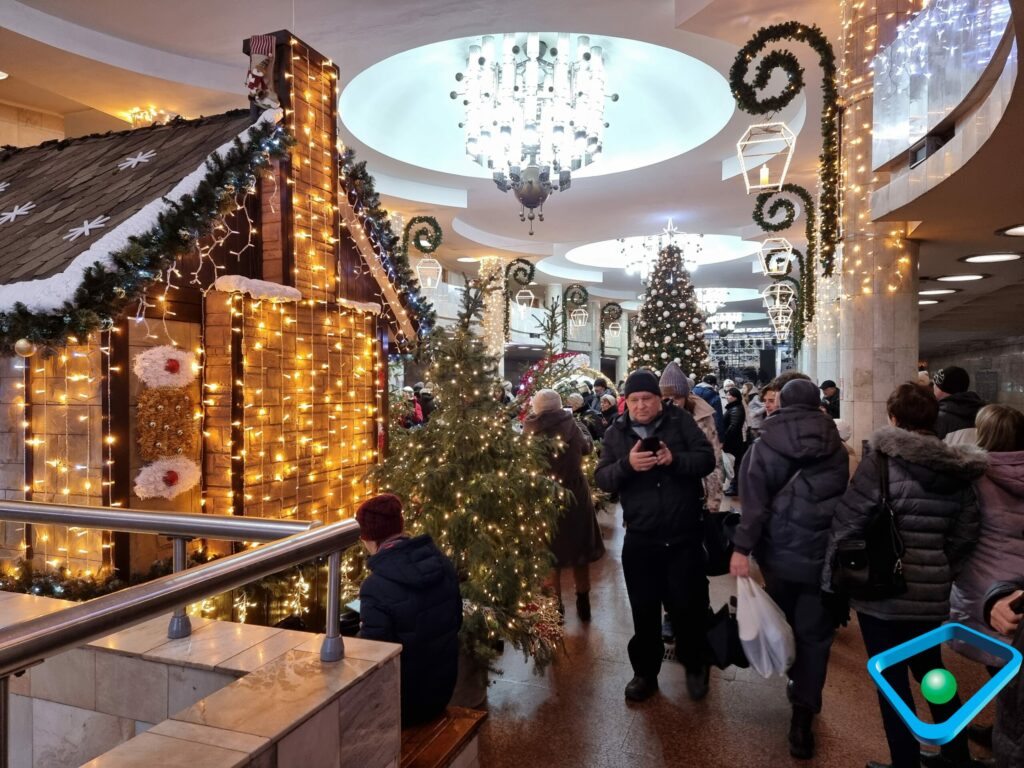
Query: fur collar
{"x": 968, "y": 461}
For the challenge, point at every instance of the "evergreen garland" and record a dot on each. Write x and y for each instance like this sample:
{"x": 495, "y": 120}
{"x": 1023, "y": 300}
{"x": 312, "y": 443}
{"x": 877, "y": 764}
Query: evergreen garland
{"x": 746, "y": 96}
{"x": 521, "y": 272}
{"x": 426, "y": 239}
{"x": 358, "y": 187}
{"x": 610, "y": 312}
{"x": 107, "y": 290}
{"x": 770, "y": 223}
{"x": 574, "y": 295}
{"x": 670, "y": 325}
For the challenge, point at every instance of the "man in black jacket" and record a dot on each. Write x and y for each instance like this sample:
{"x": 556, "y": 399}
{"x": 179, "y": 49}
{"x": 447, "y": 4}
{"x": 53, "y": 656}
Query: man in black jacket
{"x": 958, "y": 407}
{"x": 410, "y": 597}
{"x": 663, "y": 554}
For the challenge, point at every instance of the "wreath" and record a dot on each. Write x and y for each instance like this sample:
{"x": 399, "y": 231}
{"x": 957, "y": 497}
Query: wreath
{"x": 427, "y": 238}
{"x": 521, "y": 272}
{"x": 577, "y": 296}
{"x": 610, "y": 313}
{"x": 746, "y": 96}
{"x": 769, "y": 221}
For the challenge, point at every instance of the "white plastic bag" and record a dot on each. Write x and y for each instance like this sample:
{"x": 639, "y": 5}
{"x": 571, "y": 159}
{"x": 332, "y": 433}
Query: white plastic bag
{"x": 765, "y": 634}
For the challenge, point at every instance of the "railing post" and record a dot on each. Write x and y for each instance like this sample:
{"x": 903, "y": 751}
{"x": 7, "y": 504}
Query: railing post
{"x": 180, "y": 625}
{"x": 5, "y": 716}
{"x": 333, "y": 648}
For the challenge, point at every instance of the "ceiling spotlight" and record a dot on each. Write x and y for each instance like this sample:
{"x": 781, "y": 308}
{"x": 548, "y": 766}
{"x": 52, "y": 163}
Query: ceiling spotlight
{"x": 468, "y": 259}
{"x": 3, "y": 75}
{"x": 991, "y": 258}
{"x": 938, "y": 291}
{"x": 960, "y": 278}
{"x": 1015, "y": 231}
{"x": 925, "y": 302}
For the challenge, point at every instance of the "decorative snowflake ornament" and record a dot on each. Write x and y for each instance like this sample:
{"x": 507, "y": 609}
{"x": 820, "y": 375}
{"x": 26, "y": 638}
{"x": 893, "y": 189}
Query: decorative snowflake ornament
{"x": 136, "y": 160}
{"x": 86, "y": 229}
{"x": 19, "y": 210}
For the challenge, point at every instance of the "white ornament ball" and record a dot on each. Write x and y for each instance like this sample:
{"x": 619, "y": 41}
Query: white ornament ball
{"x": 665, "y": 313}
{"x": 664, "y": 355}
{"x": 24, "y": 348}
{"x": 661, "y": 303}
{"x": 668, "y": 339}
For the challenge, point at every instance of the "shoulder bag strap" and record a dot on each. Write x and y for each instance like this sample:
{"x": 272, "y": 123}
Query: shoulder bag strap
{"x": 883, "y": 478}
{"x": 886, "y": 501}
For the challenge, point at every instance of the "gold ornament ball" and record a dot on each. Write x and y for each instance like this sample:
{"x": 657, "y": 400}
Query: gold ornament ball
{"x": 24, "y": 348}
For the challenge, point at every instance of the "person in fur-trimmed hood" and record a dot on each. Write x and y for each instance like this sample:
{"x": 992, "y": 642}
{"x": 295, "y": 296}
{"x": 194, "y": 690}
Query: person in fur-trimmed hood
{"x": 931, "y": 493}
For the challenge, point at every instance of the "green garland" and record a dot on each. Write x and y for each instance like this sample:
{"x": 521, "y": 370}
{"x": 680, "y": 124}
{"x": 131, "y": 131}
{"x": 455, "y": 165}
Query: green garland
{"x": 359, "y": 188}
{"x": 797, "y": 329}
{"x": 426, "y": 239}
{"x": 577, "y": 296}
{"x": 746, "y": 95}
{"x": 521, "y": 272}
{"x": 107, "y": 290}
{"x": 610, "y": 312}
{"x": 770, "y": 223}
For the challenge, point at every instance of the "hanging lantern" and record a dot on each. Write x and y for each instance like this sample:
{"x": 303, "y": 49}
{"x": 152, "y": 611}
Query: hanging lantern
{"x": 578, "y": 317}
{"x": 525, "y": 299}
{"x": 780, "y": 294}
{"x": 781, "y": 318}
{"x": 428, "y": 272}
{"x": 765, "y": 151}
{"x": 776, "y": 254}
{"x": 614, "y": 330}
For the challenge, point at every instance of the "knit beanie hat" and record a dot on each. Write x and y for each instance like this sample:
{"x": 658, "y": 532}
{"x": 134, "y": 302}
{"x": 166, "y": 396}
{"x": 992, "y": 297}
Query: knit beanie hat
{"x": 642, "y": 381}
{"x": 673, "y": 382}
{"x": 380, "y": 518}
{"x": 800, "y": 392}
{"x": 546, "y": 400}
{"x": 952, "y": 380}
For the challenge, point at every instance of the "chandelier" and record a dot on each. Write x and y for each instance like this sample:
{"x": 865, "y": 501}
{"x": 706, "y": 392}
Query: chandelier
{"x": 724, "y": 323}
{"x": 534, "y": 112}
{"x": 710, "y": 299}
{"x": 640, "y": 254}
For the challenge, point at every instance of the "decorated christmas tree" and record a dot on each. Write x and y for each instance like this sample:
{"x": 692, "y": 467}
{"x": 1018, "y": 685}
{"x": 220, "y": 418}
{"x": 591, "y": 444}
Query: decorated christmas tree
{"x": 670, "y": 325}
{"x": 482, "y": 491}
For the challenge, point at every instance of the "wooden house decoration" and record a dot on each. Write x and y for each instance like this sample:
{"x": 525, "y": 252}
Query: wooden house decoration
{"x": 196, "y": 316}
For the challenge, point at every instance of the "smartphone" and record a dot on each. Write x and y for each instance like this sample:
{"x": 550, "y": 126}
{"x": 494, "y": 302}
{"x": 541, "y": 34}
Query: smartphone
{"x": 651, "y": 444}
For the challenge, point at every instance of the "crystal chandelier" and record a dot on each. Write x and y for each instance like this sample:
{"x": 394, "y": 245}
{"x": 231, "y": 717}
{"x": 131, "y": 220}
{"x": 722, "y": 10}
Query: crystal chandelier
{"x": 640, "y": 254}
{"x": 724, "y": 323}
{"x": 534, "y": 112}
{"x": 710, "y": 299}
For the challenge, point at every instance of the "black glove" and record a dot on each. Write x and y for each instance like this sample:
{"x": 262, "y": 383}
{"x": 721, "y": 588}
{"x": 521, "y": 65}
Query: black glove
{"x": 837, "y": 608}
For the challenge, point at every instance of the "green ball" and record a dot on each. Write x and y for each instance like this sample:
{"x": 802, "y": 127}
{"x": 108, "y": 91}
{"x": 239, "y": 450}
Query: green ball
{"x": 938, "y": 686}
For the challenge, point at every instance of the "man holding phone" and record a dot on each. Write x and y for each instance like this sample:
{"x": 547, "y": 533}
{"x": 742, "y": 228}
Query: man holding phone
{"x": 655, "y": 457}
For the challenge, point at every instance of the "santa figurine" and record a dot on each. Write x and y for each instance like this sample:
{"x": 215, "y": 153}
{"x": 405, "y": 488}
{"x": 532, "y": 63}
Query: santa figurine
{"x": 261, "y": 92}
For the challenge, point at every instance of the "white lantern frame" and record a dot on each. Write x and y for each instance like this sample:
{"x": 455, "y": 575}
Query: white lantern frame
{"x": 579, "y": 317}
{"x": 429, "y": 272}
{"x": 524, "y": 299}
{"x": 614, "y": 330}
{"x": 775, "y": 255}
{"x": 760, "y": 145}
{"x": 781, "y": 318}
{"x": 779, "y": 294}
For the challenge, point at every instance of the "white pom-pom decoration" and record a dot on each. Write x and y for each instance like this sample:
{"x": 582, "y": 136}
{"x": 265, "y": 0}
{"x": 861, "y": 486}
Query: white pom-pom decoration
{"x": 166, "y": 366}
{"x": 166, "y": 478}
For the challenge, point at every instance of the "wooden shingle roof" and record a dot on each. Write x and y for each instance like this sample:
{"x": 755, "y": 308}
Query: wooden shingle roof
{"x": 57, "y": 199}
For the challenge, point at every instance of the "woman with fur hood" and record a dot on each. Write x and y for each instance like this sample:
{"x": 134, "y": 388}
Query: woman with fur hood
{"x": 931, "y": 493}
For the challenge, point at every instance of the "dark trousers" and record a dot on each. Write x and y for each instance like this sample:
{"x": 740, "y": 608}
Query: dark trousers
{"x": 812, "y": 629}
{"x": 672, "y": 576}
{"x": 881, "y": 635}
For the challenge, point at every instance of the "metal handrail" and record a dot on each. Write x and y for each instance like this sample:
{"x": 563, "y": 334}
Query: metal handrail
{"x": 30, "y": 642}
{"x": 187, "y": 525}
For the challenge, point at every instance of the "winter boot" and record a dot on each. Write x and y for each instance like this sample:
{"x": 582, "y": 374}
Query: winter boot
{"x": 697, "y": 683}
{"x": 641, "y": 688}
{"x": 801, "y": 737}
{"x": 583, "y": 605}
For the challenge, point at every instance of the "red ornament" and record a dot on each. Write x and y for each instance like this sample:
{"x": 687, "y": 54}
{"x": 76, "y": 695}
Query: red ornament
{"x": 170, "y": 478}
{"x": 172, "y": 365}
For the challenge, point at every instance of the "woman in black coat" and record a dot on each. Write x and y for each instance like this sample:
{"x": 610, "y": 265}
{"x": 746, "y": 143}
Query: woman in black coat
{"x": 734, "y": 443}
{"x": 577, "y": 542}
{"x": 937, "y": 516}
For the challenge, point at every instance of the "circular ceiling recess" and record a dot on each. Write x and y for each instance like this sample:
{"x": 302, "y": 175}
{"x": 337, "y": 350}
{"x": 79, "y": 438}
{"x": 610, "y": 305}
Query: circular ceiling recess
{"x": 704, "y": 249}
{"x": 669, "y": 103}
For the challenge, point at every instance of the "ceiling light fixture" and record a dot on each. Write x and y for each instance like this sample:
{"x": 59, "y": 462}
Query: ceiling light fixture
{"x": 938, "y": 291}
{"x": 926, "y": 302}
{"x": 3, "y": 75}
{"x": 710, "y": 299}
{"x": 639, "y": 255}
{"x": 725, "y": 323}
{"x": 959, "y": 278}
{"x": 1015, "y": 231}
{"x": 533, "y": 120}
{"x": 990, "y": 258}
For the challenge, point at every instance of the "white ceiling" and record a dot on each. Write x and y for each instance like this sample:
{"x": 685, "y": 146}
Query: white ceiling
{"x": 111, "y": 56}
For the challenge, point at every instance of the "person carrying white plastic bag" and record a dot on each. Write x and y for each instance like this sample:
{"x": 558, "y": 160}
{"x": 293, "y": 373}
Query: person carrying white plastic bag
{"x": 766, "y": 636}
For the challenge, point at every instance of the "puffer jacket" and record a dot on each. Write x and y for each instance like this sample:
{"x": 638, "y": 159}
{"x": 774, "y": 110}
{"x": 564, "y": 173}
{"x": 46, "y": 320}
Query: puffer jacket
{"x": 999, "y": 554}
{"x": 936, "y": 513}
{"x": 734, "y": 441}
{"x": 1008, "y": 733}
{"x": 957, "y": 412}
{"x": 412, "y": 597}
{"x": 663, "y": 503}
{"x": 710, "y": 395}
{"x": 792, "y": 479}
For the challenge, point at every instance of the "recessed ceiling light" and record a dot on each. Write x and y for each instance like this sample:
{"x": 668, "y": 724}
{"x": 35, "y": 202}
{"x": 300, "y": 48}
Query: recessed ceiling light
{"x": 991, "y": 258}
{"x": 924, "y": 302}
{"x": 938, "y": 291}
{"x": 468, "y": 259}
{"x": 959, "y": 278}
{"x": 1015, "y": 231}
{"x": 3, "y": 75}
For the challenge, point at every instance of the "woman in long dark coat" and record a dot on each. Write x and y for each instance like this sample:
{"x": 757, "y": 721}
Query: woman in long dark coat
{"x": 577, "y": 542}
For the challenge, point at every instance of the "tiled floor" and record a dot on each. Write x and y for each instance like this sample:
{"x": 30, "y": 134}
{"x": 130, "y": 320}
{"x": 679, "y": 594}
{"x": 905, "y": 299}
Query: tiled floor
{"x": 575, "y": 715}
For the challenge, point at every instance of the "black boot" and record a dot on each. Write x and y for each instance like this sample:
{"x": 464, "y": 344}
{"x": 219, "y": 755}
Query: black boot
{"x": 939, "y": 760}
{"x": 801, "y": 737}
{"x": 697, "y": 683}
{"x": 583, "y": 605}
{"x": 980, "y": 734}
{"x": 641, "y": 688}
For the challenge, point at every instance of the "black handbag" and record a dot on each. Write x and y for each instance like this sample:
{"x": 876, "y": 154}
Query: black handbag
{"x": 724, "y": 646}
{"x": 871, "y": 568}
{"x": 718, "y": 532}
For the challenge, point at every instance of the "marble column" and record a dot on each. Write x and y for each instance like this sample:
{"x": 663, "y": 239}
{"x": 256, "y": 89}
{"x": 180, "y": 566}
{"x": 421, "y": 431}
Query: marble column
{"x": 878, "y": 313}
{"x": 594, "y": 310}
{"x": 622, "y": 363}
{"x": 493, "y": 320}
{"x": 826, "y": 329}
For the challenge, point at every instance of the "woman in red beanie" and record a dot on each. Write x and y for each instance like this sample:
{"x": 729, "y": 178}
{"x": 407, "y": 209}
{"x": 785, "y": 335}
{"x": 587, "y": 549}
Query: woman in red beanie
{"x": 411, "y": 597}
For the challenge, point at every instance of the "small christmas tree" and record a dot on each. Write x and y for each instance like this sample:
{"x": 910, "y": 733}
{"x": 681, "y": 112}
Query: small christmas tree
{"x": 670, "y": 325}
{"x": 483, "y": 492}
